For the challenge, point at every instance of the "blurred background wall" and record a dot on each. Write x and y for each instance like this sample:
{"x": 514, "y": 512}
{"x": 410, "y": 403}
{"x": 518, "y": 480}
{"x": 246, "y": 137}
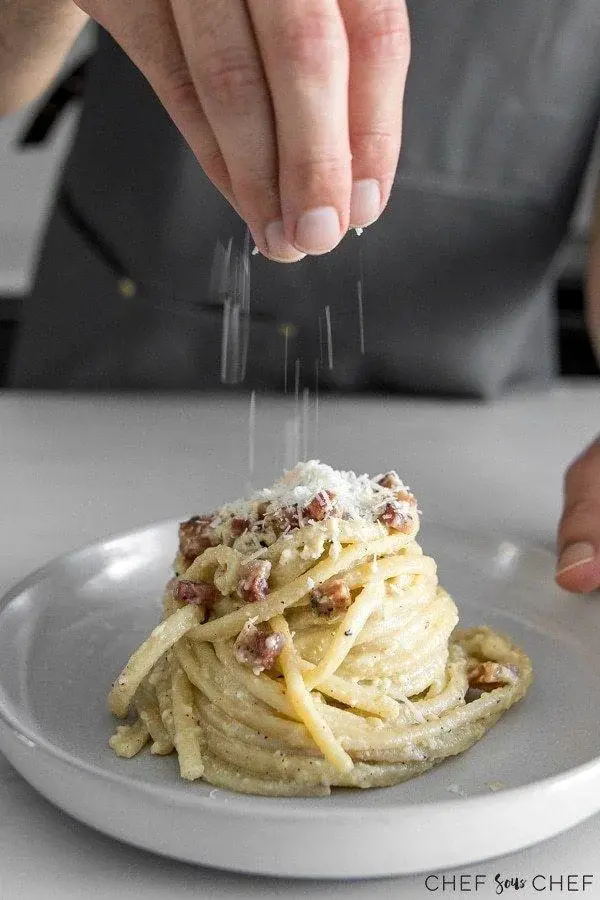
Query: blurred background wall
{"x": 27, "y": 181}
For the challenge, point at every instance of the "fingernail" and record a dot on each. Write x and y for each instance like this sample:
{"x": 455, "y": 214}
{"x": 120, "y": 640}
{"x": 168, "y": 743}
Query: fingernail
{"x": 365, "y": 202}
{"x": 278, "y": 248}
{"x": 575, "y": 555}
{"x": 318, "y": 230}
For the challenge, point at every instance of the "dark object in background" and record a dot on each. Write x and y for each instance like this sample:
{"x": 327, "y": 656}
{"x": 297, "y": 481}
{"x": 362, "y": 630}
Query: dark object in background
{"x": 8, "y": 330}
{"x": 51, "y": 107}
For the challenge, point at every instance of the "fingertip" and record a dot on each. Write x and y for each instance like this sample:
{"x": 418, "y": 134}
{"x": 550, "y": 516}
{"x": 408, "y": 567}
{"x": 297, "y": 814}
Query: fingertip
{"x": 287, "y": 260}
{"x": 276, "y": 246}
{"x": 318, "y": 230}
{"x": 365, "y": 202}
{"x": 579, "y": 577}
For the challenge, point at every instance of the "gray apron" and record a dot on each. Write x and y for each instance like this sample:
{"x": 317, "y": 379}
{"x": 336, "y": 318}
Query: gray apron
{"x": 501, "y": 107}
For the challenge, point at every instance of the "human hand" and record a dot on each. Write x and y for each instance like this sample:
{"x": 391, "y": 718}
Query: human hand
{"x": 293, "y": 108}
{"x": 578, "y": 567}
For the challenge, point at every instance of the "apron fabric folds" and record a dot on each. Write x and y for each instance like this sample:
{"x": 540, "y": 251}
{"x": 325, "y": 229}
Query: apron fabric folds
{"x": 501, "y": 108}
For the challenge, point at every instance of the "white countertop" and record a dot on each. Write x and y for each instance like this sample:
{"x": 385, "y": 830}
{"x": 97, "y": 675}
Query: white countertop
{"x": 74, "y": 468}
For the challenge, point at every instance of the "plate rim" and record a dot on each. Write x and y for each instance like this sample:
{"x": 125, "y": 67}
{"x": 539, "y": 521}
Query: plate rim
{"x": 249, "y": 805}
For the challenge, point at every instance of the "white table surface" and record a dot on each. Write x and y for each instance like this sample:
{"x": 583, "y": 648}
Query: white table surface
{"x": 73, "y": 469}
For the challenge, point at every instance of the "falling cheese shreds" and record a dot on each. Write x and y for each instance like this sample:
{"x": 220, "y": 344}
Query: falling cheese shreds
{"x": 357, "y": 497}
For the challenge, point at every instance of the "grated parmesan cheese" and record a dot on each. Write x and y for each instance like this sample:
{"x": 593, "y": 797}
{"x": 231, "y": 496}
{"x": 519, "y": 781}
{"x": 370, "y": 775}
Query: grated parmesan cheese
{"x": 356, "y": 496}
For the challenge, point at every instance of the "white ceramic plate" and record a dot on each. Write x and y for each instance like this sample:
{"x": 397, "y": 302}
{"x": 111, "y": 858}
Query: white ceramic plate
{"x": 67, "y": 630}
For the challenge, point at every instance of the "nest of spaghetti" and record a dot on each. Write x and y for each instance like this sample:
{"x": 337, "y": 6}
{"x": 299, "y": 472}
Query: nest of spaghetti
{"x": 306, "y": 643}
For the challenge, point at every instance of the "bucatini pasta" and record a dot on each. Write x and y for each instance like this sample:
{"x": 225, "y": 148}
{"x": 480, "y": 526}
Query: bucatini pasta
{"x": 307, "y": 644}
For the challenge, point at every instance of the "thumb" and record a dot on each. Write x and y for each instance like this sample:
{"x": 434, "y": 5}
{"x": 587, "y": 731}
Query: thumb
{"x": 578, "y": 567}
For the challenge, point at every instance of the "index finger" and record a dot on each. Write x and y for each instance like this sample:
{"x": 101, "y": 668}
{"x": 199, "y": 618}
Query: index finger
{"x": 379, "y": 39}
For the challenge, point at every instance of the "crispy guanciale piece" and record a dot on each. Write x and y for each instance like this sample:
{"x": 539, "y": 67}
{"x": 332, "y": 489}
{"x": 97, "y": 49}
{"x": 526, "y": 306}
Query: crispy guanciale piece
{"x": 320, "y": 507}
{"x": 254, "y": 580}
{"x": 397, "y": 516}
{"x": 258, "y": 649}
{"x": 195, "y": 536}
{"x": 239, "y": 526}
{"x": 196, "y": 593}
{"x": 399, "y": 512}
{"x": 390, "y": 480}
{"x": 487, "y": 676}
{"x": 330, "y": 597}
{"x": 283, "y": 520}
